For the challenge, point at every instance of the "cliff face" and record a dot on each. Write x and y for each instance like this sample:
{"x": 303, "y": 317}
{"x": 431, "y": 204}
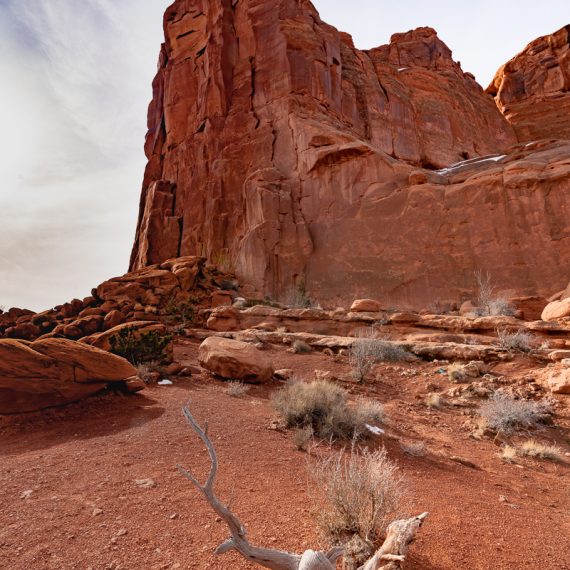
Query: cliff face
{"x": 280, "y": 151}
{"x": 533, "y": 89}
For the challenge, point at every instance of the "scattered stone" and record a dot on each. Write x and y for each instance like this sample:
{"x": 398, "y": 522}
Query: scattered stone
{"x": 145, "y": 483}
{"x": 365, "y": 306}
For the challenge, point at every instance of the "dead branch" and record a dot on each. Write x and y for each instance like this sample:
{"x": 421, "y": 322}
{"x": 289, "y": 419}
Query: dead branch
{"x": 399, "y": 536}
{"x": 400, "y": 533}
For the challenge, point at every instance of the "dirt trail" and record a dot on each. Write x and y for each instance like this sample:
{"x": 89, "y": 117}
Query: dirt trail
{"x": 86, "y": 511}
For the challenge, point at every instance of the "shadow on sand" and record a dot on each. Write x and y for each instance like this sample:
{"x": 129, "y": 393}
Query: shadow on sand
{"x": 94, "y": 417}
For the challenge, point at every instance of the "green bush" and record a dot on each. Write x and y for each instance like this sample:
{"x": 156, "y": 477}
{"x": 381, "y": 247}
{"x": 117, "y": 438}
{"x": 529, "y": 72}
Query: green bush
{"x": 181, "y": 311}
{"x": 140, "y": 347}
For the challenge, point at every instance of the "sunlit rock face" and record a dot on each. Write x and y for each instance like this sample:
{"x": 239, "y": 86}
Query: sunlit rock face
{"x": 280, "y": 151}
{"x": 533, "y": 89}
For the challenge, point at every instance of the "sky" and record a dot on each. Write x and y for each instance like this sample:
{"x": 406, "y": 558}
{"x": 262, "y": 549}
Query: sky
{"x": 76, "y": 83}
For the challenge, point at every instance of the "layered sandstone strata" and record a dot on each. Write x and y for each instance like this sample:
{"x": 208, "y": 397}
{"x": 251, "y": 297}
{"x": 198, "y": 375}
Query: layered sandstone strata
{"x": 280, "y": 151}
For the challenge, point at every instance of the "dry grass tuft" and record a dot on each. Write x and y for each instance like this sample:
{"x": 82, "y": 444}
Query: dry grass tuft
{"x": 508, "y": 453}
{"x": 533, "y": 448}
{"x": 435, "y": 401}
{"x": 323, "y": 407}
{"x": 456, "y": 372}
{"x": 236, "y": 389}
{"x": 148, "y": 372}
{"x": 415, "y": 449}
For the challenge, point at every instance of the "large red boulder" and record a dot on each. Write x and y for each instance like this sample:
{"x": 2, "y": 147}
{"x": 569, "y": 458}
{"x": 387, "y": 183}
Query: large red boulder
{"x": 53, "y": 372}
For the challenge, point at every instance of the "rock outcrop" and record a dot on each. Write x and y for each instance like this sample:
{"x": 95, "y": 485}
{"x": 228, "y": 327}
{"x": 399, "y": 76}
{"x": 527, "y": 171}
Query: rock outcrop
{"x": 53, "y": 372}
{"x": 172, "y": 292}
{"x": 235, "y": 360}
{"x": 533, "y": 89}
{"x": 280, "y": 151}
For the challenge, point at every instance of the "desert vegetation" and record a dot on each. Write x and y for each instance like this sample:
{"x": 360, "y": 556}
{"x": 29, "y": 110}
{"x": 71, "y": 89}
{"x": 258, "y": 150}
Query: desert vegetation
{"x": 487, "y": 301}
{"x": 359, "y": 494}
{"x": 367, "y": 350}
{"x": 356, "y": 494}
{"x": 515, "y": 341}
{"x": 140, "y": 347}
{"x": 505, "y": 414}
{"x": 323, "y": 407}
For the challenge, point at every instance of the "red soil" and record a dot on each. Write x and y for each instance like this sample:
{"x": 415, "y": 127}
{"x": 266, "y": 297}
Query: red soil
{"x": 88, "y": 456}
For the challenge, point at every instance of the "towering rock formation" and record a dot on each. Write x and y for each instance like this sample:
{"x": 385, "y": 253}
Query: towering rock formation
{"x": 533, "y": 89}
{"x": 279, "y": 150}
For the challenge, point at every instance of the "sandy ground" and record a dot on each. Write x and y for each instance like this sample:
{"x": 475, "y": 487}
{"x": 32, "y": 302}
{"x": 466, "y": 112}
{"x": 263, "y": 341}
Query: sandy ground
{"x": 70, "y": 498}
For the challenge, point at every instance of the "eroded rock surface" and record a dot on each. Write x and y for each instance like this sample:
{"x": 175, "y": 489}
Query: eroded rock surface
{"x": 279, "y": 150}
{"x": 53, "y": 372}
{"x": 533, "y": 89}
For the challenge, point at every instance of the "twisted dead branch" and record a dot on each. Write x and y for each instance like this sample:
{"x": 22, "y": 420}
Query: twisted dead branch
{"x": 400, "y": 533}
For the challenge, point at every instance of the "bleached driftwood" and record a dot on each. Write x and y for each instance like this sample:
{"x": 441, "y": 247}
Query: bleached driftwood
{"x": 399, "y": 536}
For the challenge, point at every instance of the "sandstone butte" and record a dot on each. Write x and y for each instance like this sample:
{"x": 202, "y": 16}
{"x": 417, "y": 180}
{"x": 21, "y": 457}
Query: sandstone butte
{"x": 281, "y": 152}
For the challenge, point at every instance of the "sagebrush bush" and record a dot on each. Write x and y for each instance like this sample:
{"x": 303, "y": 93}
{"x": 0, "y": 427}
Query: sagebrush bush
{"x": 356, "y": 495}
{"x": 505, "y": 414}
{"x": 182, "y": 311}
{"x": 366, "y": 350}
{"x": 513, "y": 341}
{"x": 301, "y": 347}
{"x": 323, "y": 407}
{"x": 139, "y": 348}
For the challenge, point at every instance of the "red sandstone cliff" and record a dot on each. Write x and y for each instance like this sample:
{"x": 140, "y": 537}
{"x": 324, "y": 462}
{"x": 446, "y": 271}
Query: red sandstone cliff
{"x": 533, "y": 89}
{"x": 279, "y": 150}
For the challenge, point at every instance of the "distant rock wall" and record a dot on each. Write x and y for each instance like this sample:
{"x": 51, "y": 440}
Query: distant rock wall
{"x": 281, "y": 152}
{"x": 533, "y": 89}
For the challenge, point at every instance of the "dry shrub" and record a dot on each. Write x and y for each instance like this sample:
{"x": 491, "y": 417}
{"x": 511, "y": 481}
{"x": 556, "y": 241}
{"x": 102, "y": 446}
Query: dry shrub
{"x": 415, "y": 449}
{"x": 505, "y": 414}
{"x": 356, "y": 495}
{"x": 456, "y": 373}
{"x": 487, "y": 303}
{"x": 301, "y": 347}
{"x": 508, "y": 453}
{"x": 236, "y": 389}
{"x": 302, "y": 437}
{"x": 435, "y": 401}
{"x": 148, "y": 372}
{"x": 513, "y": 341}
{"x": 367, "y": 350}
{"x": 533, "y": 448}
{"x": 323, "y": 407}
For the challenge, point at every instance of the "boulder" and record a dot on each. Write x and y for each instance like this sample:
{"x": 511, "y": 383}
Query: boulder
{"x": 559, "y": 381}
{"x": 365, "y": 306}
{"x": 101, "y": 340}
{"x": 556, "y": 310}
{"x": 53, "y": 372}
{"x": 235, "y": 360}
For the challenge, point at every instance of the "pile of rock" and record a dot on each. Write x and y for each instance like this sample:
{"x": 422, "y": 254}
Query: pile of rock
{"x": 151, "y": 294}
